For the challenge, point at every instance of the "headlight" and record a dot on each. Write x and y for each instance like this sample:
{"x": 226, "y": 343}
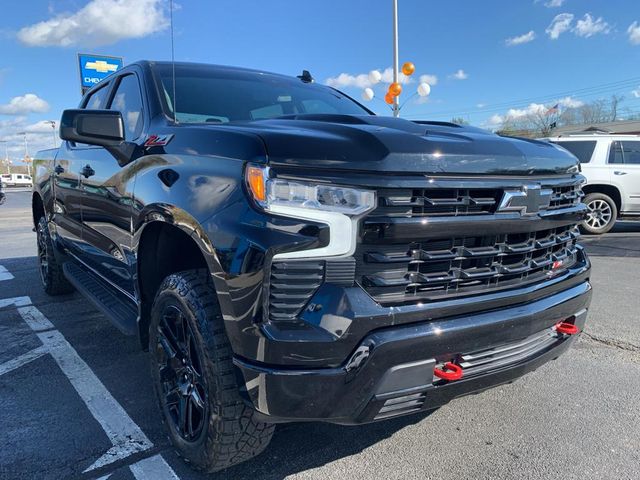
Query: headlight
{"x": 269, "y": 193}
{"x": 338, "y": 207}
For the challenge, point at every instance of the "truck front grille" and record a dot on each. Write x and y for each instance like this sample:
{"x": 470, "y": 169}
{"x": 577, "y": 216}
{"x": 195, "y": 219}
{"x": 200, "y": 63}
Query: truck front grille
{"x": 430, "y": 269}
{"x": 459, "y": 201}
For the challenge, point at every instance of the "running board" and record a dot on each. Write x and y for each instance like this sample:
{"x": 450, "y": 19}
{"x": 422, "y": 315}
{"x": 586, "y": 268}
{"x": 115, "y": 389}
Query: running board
{"x": 122, "y": 313}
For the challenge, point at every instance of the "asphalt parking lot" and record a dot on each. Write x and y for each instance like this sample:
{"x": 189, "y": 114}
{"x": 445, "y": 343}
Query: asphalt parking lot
{"x": 76, "y": 399}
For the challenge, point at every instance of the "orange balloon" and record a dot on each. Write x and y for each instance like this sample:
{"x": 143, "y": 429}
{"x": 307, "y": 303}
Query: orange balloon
{"x": 395, "y": 89}
{"x": 408, "y": 68}
{"x": 388, "y": 98}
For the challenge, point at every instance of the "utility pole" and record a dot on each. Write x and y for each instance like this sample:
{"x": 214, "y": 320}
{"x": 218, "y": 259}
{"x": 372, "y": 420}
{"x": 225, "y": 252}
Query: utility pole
{"x": 396, "y": 105}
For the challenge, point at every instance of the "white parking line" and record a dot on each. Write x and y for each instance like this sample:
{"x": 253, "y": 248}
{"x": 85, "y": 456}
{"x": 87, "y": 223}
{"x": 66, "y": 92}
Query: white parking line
{"x": 125, "y": 435}
{"x": 153, "y": 468}
{"x": 15, "y": 301}
{"x": 23, "y": 359}
{"x": 5, "y": 274}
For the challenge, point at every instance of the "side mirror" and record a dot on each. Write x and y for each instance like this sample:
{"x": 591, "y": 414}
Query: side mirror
{"x": 104, "y": 128}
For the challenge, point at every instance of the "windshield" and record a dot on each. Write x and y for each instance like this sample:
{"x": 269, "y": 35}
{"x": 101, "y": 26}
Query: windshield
{"x": 221, "y": 95}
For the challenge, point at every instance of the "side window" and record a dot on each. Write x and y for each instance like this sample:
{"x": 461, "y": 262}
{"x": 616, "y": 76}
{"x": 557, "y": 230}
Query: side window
{"x": 582, "y": 150}
{"x": 98, "y": 99}
{"x": 128, "y": 101}
{"x": 615, "y": 153}
{"x": 631, "y": 152}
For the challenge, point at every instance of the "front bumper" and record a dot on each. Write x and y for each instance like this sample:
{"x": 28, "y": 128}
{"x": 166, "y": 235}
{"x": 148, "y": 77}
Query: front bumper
{"x": 394, "y": 366}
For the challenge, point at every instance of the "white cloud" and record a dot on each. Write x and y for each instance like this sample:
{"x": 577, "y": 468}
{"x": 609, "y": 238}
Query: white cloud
{"x": 531, "y": 109}
{"x": 589, "y": 26}
{"x": 569, "y": 102}
{"x": 520, "y": 39}
{"x": 430, "y": 79}
{"x": 554, "y": 3}
{"x": 99, "y": 22}
{"x": 459, "y": 75}
{"x": 361, "y": 80}
{"x": 27, "y": 103}
{"x": 560, "y": 24}
{"x": 40, "y": 127}
{"x": 634, "y": 33}
{"x": 636, "y": 92}
{"x": 481, "y": 105}
{"x": 39, "y": 137}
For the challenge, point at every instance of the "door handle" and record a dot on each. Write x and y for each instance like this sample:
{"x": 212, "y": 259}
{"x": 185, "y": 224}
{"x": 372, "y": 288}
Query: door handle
{"x": 87, "y": 171}
{"x": 59, "y": 169}
{"x": 619, "y": 172}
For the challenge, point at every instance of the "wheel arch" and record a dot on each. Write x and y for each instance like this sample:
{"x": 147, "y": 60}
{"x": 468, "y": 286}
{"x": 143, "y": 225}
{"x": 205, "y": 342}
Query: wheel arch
{"x": 165, "y": 247}
{"x": 37, "y": 208}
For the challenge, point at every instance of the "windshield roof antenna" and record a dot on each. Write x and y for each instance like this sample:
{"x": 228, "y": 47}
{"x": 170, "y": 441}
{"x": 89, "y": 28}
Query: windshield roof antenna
{"x": 173, "y": 66}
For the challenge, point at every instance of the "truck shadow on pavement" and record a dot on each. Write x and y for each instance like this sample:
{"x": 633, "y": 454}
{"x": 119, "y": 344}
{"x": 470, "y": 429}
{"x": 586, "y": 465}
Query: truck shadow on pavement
{"x": 298, "y": 447}
{"x": 622, "y": 241}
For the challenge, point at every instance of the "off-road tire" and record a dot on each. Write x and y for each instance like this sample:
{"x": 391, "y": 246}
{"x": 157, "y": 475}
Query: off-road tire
{"x": 51, "y": 275}
{"x": 605, "y": 208}
{"x": 230, "y": 434}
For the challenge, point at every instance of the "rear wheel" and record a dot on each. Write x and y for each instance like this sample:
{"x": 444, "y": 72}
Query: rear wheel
{"x": 194, "y": 377}
{"x": 601, "y": 215}
{"x": 53, "y": 280}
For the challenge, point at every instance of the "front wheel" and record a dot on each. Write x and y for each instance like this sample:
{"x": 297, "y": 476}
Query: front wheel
{"x": 53, "y": 280}
{"x": 195, "y": 379}
{"x": 601, "y": 214}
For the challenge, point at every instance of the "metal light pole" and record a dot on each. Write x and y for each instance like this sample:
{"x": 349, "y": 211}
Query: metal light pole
{"x": 6, "y": 160}
{"x": 53, "y": 127}
{"x": 396, "y": 106}
{"x": 27, "y": 158}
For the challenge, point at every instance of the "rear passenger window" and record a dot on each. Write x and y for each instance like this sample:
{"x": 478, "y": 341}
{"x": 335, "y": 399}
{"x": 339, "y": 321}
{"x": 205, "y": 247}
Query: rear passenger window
{"x": 631, "y": 152}
{"x": 98, "y": 99}
{"x": 583, "y": 150}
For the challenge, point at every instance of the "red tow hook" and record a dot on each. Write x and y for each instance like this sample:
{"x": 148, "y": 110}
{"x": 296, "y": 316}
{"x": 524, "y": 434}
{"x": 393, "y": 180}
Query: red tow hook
{"x": 449, "y": 371}
{"x": 567, "y": 328}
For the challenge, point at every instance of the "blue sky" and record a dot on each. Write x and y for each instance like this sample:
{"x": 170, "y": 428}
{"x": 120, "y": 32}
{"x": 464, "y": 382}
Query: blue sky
{"x": 508, "y": 54}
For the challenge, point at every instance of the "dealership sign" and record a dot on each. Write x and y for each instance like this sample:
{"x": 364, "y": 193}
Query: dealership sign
{"x": 93, "y": 68}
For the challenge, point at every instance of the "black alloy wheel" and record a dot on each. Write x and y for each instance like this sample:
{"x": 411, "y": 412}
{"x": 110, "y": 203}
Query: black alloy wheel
{"x": 210, "y": 423}
{"x": 53, "y": 280}
{"x": 180, "y": 366}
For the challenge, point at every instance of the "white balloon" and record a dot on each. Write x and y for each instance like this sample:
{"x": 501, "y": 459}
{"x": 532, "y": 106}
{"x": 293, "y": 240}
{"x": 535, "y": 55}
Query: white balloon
{"x": 374, "y": 76}
{"x": 424, "y": 89}
{"x": 367, "y": 94}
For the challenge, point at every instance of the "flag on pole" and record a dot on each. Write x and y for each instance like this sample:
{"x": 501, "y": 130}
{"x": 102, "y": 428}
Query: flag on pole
{"x": 553, "y": 109}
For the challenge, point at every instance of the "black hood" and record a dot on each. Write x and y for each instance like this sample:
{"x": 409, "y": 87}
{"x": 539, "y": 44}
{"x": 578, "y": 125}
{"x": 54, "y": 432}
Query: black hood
{"x": 385, "y": 144}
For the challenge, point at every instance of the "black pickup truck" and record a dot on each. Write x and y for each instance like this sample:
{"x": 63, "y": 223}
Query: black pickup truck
{"x": 287, "y": 255}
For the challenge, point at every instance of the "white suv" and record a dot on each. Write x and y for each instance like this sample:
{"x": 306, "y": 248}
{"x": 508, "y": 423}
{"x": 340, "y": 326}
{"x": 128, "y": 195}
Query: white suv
{"x": 611, "y": 164}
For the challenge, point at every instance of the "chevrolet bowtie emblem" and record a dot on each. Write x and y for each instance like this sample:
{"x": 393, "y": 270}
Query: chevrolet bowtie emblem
{"x": 101, "y": 66}
{"x": 528, "y": 201}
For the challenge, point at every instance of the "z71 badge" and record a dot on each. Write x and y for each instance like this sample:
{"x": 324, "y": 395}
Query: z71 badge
{"x": 158, "y": 140}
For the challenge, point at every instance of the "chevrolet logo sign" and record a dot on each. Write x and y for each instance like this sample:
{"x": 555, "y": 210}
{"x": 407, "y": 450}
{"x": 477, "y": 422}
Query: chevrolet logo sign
{"x": 101, "y": 66}
{"x": 528, "y": 201}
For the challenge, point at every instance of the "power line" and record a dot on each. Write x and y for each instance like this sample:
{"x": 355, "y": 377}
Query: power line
{"x": 610, "y": 87}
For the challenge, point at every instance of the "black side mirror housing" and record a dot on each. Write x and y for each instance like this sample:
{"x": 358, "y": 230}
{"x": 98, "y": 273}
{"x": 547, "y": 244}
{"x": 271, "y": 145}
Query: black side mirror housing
{"x": 104, "y": 128}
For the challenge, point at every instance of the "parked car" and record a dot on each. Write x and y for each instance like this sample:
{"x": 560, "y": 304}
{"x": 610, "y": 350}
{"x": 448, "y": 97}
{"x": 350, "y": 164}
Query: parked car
{"x": 286, "y": 255}
{"x": 16, "y": 179}
{"x": 611, "y": 165}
